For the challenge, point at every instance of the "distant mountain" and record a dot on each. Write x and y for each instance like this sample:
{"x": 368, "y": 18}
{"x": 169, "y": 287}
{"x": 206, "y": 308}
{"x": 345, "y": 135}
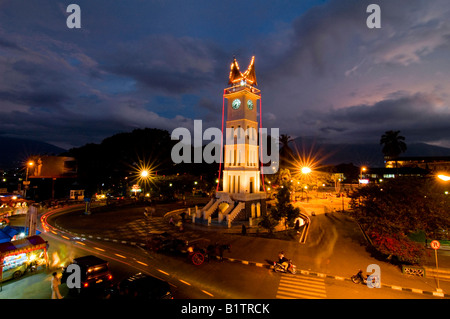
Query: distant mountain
{"x": 359, "y": 154}
{"x": 15, "y": 151}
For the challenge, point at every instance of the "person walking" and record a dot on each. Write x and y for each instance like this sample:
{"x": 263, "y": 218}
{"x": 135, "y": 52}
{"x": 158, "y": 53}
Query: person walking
{"x": 55, "y": 286}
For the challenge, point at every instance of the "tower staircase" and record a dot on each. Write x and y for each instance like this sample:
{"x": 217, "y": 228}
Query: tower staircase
{"x": 231, "y": 216}
{"x": 213, "y": 204}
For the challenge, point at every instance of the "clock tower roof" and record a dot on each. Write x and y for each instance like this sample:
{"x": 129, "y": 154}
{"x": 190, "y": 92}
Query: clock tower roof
{"x": 236, "y": 76}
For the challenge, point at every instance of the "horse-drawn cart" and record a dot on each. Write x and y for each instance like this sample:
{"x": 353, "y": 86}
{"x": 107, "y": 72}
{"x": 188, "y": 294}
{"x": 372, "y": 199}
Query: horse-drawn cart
{"x": 196, "y": 250}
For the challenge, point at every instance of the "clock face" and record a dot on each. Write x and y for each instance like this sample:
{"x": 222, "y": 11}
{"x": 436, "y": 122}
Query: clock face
{"x": 236, "y": 103}
{"x": 250, "y": 104}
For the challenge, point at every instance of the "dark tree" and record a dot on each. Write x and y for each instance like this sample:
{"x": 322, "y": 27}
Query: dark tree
{"x": 403, "y": 205}
{"x": 393, "y": 144}
{"x": 284, "y": 208}
{"x": 286, "y": 153}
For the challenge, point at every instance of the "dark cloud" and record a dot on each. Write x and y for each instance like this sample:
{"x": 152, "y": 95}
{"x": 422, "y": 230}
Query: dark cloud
{"x": 322, "y": 72}
{"x": 6, "y": 44}
{"x": 167, "y": 63}
{"x": 419, "y": 117}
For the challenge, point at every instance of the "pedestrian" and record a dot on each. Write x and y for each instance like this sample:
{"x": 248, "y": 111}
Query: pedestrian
{"x": 171, "y": 221}
{"x": 244, "y": 230}
{"x": 55, "y": 286}
{"x": 146, "y": 212}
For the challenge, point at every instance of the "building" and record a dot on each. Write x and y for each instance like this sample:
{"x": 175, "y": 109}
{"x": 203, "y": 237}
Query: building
{"x": 241, "y": 197}
{"x": 434, "y": 164}
{"x": 378, "y": 174}
{"x": 50, "y": 177}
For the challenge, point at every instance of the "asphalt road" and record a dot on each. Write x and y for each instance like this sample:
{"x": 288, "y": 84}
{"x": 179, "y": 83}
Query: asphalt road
{"x": 216, "y": 280}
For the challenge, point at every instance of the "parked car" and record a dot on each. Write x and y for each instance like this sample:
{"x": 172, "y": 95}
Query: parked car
{"x": 141, "y": 286}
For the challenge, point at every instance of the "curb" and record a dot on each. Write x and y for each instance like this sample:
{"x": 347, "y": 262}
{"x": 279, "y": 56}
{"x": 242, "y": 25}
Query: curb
{"x": 322, "y": 275}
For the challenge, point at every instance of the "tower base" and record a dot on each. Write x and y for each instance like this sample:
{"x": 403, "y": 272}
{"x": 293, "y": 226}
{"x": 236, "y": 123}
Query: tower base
{"x": 232, "y": 207}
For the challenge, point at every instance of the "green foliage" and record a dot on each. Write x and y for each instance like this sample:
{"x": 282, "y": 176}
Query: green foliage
{"x": 403, "y": 205}
{"x": 284, "y": 208}
{"x": 398, "y": 207}
{"x": 114, "y": 163}
{"x": 268, "y": 222}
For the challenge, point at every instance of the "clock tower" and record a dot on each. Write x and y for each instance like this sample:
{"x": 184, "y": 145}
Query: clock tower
{"x": 241, "y": 198}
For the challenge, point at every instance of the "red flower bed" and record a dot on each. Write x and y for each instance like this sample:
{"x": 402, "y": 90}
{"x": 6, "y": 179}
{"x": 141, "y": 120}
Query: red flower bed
{"x": 405, "y": 250}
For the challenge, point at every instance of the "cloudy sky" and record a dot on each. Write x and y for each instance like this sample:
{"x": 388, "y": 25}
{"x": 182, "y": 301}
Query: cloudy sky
{"x": 161, "y": 64}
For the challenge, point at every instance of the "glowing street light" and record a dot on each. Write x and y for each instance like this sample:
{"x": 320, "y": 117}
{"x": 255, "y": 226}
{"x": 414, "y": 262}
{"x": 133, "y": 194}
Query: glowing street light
{"x": 306, "y": 170}
{"x": 443, "y": 177}
{"x": 26, "y": 183}
{"x": 363, "y": 170}
{"x": 145, "y": 173}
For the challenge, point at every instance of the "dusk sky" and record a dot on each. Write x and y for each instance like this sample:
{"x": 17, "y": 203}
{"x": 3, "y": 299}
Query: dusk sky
{"x": 162, "y": 64}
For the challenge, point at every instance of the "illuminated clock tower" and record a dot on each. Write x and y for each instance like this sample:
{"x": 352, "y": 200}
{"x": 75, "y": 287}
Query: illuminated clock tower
{"x": 241, "y": 198}
{"x": 241, "y": 174}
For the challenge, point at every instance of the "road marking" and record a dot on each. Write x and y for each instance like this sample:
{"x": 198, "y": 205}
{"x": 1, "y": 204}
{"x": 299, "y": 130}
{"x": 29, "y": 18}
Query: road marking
{"x": 79, "y": 242}
{"x": 121, "y": 256}
{"x": 209, "y": 294}
{"x": 65, "y": 237}
{"x": 301, "y": 287}
{"x": 165, "y": 273}
{"x": 140, "y": 262}
{"x": 99, "y": 249}
{"x": 184, "y": 282}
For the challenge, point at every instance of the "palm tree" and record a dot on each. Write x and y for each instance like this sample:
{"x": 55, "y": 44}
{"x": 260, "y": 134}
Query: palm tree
{"x": 393, "y": 145}
{"x": 286, "y": 153}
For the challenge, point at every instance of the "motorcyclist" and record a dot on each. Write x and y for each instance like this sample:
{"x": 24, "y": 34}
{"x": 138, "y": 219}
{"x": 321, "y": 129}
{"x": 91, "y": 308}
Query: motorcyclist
{"x": 283, "y": 261}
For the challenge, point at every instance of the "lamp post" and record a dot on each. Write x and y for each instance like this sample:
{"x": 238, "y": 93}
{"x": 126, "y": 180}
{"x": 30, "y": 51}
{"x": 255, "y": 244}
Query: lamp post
{"x": 26, "y": 183}
{"x": 362, "y": 170}
{"x": 145, "y": 175}
{"x": 305, "y": 170}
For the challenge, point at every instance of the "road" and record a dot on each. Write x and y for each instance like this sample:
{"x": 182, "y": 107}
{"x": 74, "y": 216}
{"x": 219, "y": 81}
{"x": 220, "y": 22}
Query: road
{"x": 226, "y": 280}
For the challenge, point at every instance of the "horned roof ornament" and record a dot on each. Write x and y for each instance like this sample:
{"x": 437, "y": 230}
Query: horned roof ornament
{"x": 236, "y": 76}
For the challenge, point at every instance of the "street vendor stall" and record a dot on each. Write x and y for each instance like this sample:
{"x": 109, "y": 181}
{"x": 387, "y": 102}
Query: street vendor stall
{"x": 22, "y": 255}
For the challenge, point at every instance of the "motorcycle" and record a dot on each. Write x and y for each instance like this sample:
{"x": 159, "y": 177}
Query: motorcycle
{"x": 372, "y": 281}
{"x": 277, "y": 267}
{"x": 359, "y": 278}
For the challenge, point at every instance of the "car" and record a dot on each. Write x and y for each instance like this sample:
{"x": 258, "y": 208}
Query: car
{"x": 95, "y": 273}
{"x": 142, "y": 286}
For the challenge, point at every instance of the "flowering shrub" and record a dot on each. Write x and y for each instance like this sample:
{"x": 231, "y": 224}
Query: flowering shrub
{"x": 405, "y": 250}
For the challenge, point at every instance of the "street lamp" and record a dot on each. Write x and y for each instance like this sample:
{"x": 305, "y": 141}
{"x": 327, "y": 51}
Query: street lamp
{"x": 363, "y": 170}
{"x": 445, "y": 178}
{"x": 26, "y": 183}
{"x": 306, "y": 170}
{"x": 145, "y": 173}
